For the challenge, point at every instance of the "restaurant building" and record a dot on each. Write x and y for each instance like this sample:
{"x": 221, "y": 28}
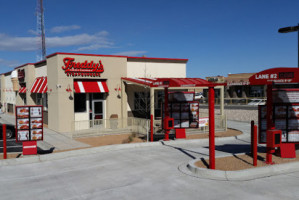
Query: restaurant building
{"x": 238, "y": 86}
{"x": 84, "y": 87}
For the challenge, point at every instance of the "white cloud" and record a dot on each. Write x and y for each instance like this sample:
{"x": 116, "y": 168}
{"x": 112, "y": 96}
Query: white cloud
{"x": 131, "y": 53}
{"x": 8, "y": 43}
{"x": 60, "y": 29}
{"x": 33, "y": 32}
{"x": 84, "y": 41}
{"x": 9, "y": 63}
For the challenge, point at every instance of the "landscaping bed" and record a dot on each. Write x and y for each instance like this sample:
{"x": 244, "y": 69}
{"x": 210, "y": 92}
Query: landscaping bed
{"x": 240, "y": 162}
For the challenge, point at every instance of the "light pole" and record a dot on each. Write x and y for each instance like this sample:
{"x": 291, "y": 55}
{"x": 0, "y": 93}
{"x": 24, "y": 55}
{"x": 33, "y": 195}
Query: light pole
{"x": 291, "y": 29}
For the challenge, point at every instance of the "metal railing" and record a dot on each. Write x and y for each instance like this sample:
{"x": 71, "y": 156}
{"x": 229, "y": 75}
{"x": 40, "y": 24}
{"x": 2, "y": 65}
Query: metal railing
{"x": 140, "y": 126}
{"x": 220, "y": 122}
{"x": 110, "y": 126}
{"x": 232, "y": 101}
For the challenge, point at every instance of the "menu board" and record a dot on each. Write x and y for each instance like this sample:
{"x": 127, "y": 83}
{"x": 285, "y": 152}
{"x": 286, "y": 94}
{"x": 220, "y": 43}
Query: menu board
{"x": 203, "y": 121}
{"x": 29, "y": 123}
{"x": 181, "y": 96}
{"x": 285, "y": 118}
{"x": 185, "y": 114}
{"x": 286, "y": 96}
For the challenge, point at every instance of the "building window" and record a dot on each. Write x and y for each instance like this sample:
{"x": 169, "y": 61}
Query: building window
{"x": 39, "y": 99}
{"x": 142, "y": 101}
{"x": 45, "y": 101}
{"x": 80, "y": 102}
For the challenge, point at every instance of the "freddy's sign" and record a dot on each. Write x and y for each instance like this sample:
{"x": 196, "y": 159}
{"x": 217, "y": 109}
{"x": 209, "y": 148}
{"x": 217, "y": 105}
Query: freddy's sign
{"x": 72, "y": 68}
{"x": 275, "y": 75}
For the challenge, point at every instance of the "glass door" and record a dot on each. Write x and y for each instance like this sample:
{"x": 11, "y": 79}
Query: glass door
{"x": 98, "y": 112}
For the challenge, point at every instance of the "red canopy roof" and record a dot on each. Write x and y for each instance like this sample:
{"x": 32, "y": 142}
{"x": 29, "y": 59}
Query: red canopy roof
{"x": 172, "y": 82}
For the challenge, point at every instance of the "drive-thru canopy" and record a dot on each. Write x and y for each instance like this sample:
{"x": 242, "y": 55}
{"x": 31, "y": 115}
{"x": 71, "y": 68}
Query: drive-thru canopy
{"x": 183, "y": 83}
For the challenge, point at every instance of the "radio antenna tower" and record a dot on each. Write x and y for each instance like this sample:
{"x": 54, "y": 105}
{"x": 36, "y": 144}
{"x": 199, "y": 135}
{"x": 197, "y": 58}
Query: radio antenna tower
{"x": 41, "y": 55}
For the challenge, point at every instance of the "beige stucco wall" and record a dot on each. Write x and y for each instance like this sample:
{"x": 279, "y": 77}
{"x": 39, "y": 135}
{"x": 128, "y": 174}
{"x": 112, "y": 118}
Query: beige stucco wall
{"x": 61, "y": 106}
{"x": 156, "y": 69}
{"x": 41, "y": 71}
{"x": 29, "y": 80}
{"x": 3, "y": 96}
{"x": 10, "y": 96}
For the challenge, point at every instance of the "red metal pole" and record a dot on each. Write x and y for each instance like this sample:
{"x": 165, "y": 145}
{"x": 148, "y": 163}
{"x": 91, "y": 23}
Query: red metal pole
{"x": 270, "y": 124}
{"x": 212, "y": 127}
{"x": 166, "y": 113}
{"x": 254, "y": 152}
{"x": 269, "y": 107}
{"x": 252, "y": 138}
{"x": 152, "y": 128}
{"x": 4, "y": 141}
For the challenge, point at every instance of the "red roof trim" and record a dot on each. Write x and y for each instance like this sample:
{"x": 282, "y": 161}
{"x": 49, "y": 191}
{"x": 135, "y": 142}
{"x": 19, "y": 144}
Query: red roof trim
{"x": 119, "y": 56}
{"x": 82, "y": 54}
{"x": 24, "y": 65}
{"x": 151, "y": 58}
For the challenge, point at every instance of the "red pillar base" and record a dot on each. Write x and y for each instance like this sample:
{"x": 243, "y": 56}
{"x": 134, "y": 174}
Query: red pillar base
{"x": 166, "y": 136}
{"x": 269, "y": 156}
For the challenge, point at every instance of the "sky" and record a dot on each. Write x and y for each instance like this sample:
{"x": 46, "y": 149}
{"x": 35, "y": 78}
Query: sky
{"x": 217, "y": 36}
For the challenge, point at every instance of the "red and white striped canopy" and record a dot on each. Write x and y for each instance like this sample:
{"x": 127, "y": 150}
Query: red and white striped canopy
{"x": 22, "y": 90}
{"x": 40, "y": 85}
{"x": 90, "y": 86}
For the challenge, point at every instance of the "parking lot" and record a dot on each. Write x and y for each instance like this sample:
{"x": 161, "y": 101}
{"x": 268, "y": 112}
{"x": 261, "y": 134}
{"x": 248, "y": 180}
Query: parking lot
{"x": 12, "y": 146}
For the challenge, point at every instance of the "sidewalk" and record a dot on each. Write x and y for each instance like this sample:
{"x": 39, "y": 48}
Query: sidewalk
{"x": 51, "y": 138}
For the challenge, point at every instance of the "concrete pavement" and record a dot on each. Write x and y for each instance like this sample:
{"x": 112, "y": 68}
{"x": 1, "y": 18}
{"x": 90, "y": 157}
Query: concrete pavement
{"x": 135, "y": 172}
{"x": 176, "y": 155}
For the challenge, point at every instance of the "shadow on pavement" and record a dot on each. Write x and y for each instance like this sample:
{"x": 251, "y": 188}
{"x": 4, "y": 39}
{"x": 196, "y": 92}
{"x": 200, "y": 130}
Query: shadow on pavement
{"x": 185, "y": 151}
{"x": 236, "y": 148}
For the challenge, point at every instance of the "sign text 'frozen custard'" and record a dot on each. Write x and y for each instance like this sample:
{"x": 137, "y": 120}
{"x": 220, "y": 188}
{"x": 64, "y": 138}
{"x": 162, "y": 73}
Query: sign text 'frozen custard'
{"x": 86, "y": 68}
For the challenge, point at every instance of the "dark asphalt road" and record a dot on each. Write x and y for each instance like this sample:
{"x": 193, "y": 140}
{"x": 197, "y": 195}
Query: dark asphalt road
{"x": 12, "y": 146}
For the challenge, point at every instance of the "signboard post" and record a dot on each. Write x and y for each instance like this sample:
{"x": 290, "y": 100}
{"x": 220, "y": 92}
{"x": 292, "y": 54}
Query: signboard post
{"x": 29, "y": 127}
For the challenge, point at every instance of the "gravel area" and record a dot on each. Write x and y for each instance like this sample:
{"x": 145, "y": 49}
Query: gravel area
{"x": 239, "y": 162}
{"x": 128, "y": 138}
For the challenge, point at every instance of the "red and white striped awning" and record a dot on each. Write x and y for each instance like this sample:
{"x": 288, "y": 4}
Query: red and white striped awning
{"x": 40, "y": 85}
{"x": 90, "y": 86}
{"x": 22, "y": 90}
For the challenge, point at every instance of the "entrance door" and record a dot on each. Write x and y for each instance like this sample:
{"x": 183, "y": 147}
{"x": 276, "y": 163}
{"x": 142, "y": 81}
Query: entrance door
{"x": 98, "y": 112}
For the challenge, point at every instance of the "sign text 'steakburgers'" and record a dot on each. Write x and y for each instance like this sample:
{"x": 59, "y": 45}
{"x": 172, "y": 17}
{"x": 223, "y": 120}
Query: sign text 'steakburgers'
{"x": 86, "y": 68}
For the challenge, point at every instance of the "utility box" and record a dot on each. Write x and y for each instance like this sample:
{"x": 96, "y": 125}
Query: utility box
{"x": 273, "y": 138}
{"x": 168, "y": 123}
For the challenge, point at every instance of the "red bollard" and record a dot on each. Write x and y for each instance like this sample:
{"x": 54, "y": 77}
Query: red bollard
{"x": 252, "y": 137}
{"x": 269, "y": 156}
{"x": 211, "y": 128}
{"x": 4, "y": 141}
{"x": 254, "y": 146}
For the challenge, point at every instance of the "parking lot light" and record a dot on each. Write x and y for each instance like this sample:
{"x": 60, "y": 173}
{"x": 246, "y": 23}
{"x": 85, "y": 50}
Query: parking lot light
{"x": 291, "y": 29}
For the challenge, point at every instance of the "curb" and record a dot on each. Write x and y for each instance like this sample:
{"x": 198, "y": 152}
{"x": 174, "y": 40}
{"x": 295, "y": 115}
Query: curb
{"x": 242, "y": 175}
{"x": 74, "y": 153}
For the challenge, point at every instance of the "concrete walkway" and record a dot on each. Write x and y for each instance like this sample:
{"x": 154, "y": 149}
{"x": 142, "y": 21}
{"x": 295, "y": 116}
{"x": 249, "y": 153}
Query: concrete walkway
{"x": 52, "y": 139}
